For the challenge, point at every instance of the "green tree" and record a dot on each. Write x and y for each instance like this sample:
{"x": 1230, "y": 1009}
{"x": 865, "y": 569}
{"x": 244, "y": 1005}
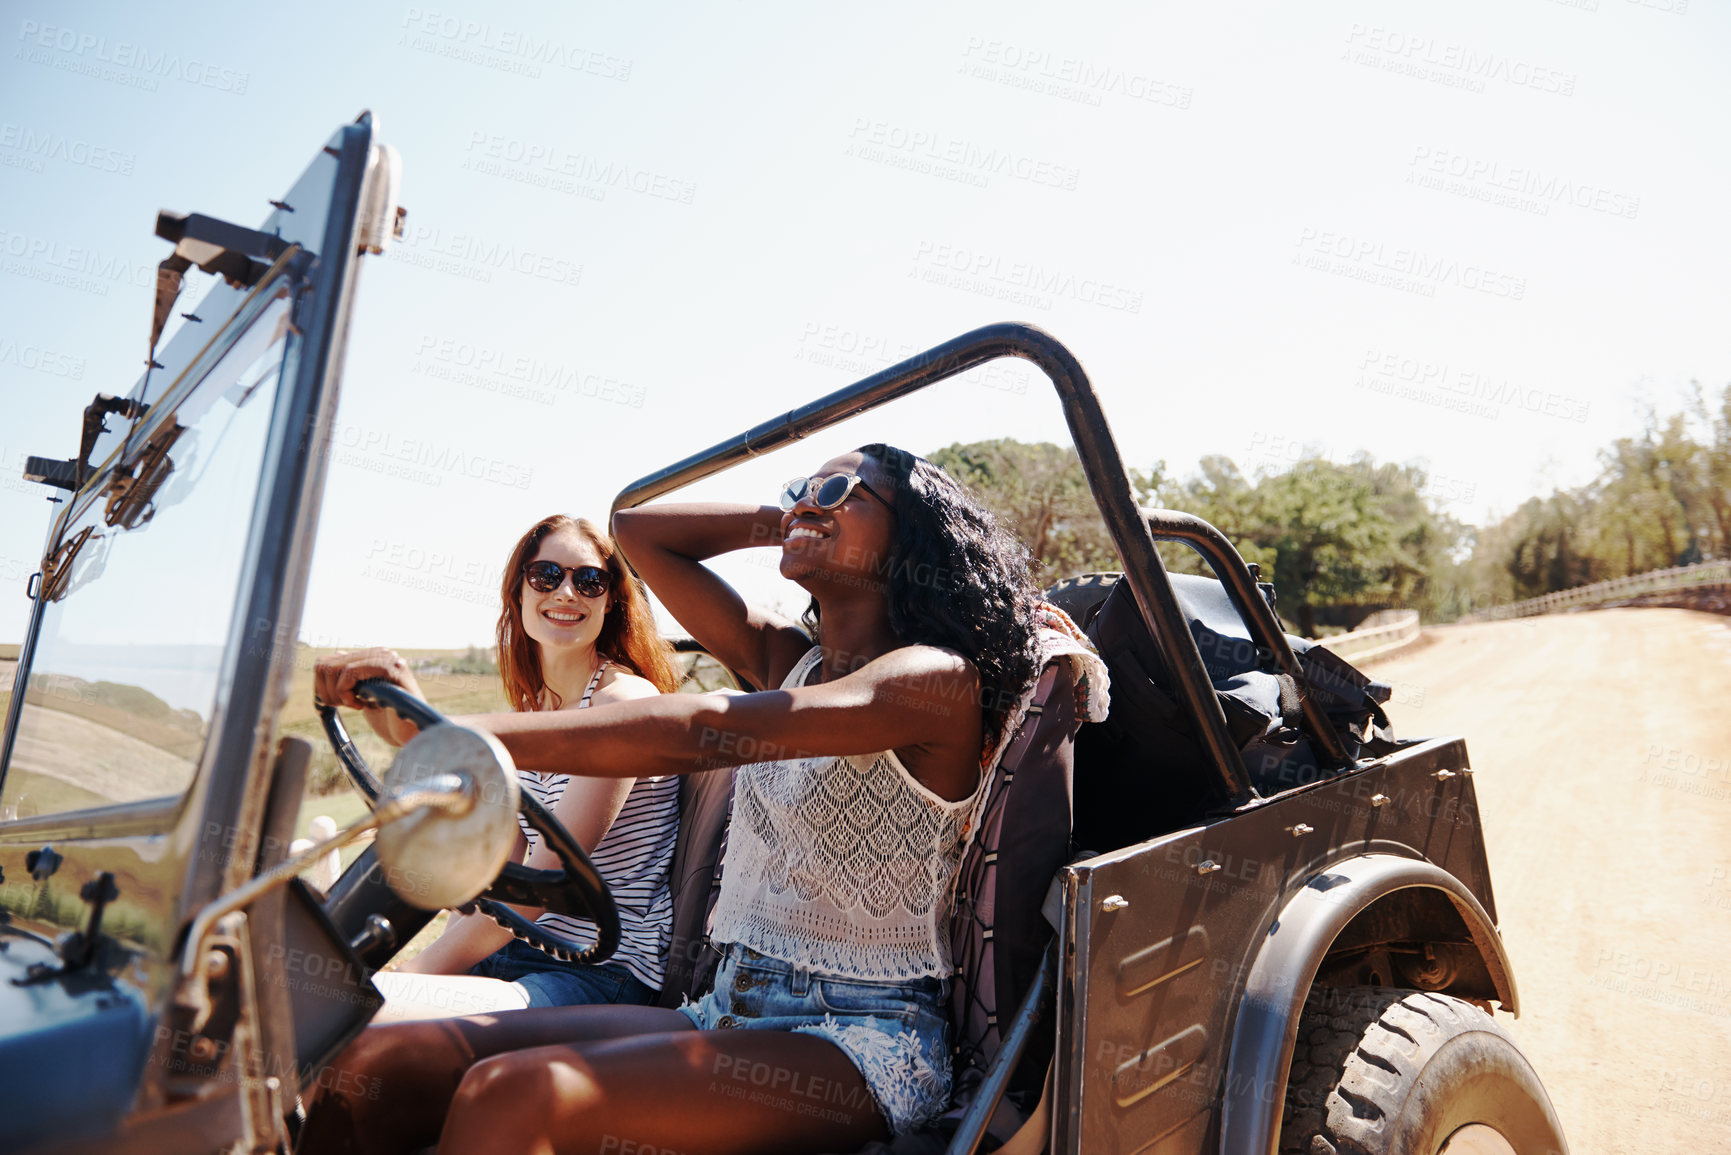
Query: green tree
{"x": 1332, "y": 542}
{"x": 1661, "y": 498}
{"x": 1347, "y": 539}
{"x": 1715, "y": 423}
{"x": 1040, "y": 494}
{"x": 1330, "y": 536}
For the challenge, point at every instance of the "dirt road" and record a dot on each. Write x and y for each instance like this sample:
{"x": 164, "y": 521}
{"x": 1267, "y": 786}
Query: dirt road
{"x": 1601, "y": 744}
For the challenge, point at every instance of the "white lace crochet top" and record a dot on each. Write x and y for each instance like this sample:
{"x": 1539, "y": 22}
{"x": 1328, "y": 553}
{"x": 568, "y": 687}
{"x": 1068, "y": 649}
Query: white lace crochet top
{"x": 841, "y": 865}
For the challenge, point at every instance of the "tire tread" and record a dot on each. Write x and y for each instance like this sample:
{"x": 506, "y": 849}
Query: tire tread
{"x": 1357, "y": 1059}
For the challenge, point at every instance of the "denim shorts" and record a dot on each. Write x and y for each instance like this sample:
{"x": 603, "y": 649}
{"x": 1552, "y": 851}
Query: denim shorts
{"x": 551, "y": 983}
{"x": 896, "y": 1033}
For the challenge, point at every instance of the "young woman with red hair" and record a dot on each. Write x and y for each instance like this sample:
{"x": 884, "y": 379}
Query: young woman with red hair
{"x": 575, "y": 630}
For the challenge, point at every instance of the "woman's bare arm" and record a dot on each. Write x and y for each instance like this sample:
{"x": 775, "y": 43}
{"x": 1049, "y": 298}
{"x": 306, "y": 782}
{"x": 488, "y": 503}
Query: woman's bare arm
{"x": 588, "y": 806}
{"x": 917, "y": 698}
{"x": 587, "y": 809}
{"x": 335, "y": 675}
{"x": 467, "y": 939}
{"x": 667, "y": 545}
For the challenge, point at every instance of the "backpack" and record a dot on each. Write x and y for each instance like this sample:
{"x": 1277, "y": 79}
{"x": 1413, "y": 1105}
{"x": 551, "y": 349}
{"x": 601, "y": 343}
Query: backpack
{"x": 1147, "y": 772}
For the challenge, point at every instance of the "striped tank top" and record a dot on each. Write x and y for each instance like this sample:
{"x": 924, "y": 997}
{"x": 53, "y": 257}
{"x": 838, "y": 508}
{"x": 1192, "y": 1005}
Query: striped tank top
{"x": 635, "y": 856}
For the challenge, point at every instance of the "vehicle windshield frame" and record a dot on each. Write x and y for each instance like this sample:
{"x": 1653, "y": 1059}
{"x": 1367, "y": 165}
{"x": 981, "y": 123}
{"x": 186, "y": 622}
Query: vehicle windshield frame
{"x": 275, "y": 290}
{"x": 319, "y": 219}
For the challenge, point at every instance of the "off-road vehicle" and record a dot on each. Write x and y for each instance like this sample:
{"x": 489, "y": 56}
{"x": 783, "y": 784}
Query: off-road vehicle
{"x": 1271, "y": 923}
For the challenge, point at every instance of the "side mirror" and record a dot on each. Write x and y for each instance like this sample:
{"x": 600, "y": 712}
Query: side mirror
{"x": 447, "y": 821}
{"x": 452, "y": 846}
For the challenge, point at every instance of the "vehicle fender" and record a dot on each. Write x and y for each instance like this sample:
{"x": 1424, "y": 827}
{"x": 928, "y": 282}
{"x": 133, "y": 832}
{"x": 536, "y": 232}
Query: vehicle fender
{"x": 1266, "y": 1028}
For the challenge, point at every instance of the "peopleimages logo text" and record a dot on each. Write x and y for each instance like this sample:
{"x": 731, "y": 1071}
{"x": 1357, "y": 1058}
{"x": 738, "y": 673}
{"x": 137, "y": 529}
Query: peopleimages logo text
{"x": 516, "y": 43}
{"x": 60, "y": 147}
{"x": 1388, "y": 47}
{"x": 1526, "y": 180}
{"x": 485, "y": 254}
{"x": 1413, "y": 263}
{"x": 933, "y": 145}
{"x": 1085, "y": 75}
{"x": 74, "y": 266}
{"x": 553, "y": 160}
{"x": 1024, "y": 275}
{"x": 168, "y": 65}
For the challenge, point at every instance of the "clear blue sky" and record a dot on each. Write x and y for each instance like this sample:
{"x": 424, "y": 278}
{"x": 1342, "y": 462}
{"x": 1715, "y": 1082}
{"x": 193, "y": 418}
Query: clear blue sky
{"x": 1477, "y": 235}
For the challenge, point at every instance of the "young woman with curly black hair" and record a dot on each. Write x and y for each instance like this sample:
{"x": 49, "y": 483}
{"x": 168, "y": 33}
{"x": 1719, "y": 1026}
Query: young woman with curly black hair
{"x": 861, "y": 764}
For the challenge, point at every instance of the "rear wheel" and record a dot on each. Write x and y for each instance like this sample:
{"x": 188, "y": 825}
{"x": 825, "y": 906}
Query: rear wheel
{"x": 1379, "y": 1071}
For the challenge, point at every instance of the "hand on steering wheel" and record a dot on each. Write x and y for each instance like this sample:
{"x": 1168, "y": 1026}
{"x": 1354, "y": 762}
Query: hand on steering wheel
{"x": 576, "y": 889}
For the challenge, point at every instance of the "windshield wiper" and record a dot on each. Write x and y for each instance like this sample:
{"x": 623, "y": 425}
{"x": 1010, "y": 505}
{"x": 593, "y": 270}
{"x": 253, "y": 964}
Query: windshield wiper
{"x": 58, "y": 566}
{"x": 129, "y": 496}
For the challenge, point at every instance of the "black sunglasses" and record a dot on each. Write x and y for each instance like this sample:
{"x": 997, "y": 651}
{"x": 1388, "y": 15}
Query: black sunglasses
{"x": 546, "y": 576}
{"x": 826, "y": 492}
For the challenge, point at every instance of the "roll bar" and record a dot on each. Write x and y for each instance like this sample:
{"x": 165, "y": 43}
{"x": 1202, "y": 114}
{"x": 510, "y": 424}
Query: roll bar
{"x": 1101, "y": 464}
{"x": 1223, "y": 558}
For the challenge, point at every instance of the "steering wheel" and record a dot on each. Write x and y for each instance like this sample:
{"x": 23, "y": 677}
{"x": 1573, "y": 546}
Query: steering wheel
{"x": 576, "y": 889}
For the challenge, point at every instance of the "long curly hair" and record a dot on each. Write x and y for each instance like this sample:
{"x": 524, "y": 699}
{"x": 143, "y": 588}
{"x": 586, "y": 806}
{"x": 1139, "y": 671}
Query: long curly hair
{"x": 956, "y": 578}
{"x": 628, "y": 634}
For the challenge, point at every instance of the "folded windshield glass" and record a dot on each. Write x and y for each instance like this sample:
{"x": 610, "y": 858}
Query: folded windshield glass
{"x": 123, "y": 685}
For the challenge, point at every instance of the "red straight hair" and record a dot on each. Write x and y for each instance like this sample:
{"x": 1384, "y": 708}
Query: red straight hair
{"x": 628, "y": 634}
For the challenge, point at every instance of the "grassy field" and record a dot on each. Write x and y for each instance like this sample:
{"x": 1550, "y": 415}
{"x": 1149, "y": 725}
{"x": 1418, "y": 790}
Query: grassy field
{"x": 328, "y": 793}
{"x": 328, "y": 790}
{"x": 45, "y": 794}
{"x": 450, "y": 694}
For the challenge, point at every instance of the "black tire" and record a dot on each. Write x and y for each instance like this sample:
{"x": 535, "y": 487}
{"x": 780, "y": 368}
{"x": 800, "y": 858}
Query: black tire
{"x": 1379, "y": 1071}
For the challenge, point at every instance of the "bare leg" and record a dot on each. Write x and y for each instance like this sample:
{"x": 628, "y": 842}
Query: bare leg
{"x": 696, "y": 1093}
{"x": 389, "y": 1090}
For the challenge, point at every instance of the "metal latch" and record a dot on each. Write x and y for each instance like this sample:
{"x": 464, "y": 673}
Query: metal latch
{"x": 77, "y": 950}
{"x": 239, "y": 255}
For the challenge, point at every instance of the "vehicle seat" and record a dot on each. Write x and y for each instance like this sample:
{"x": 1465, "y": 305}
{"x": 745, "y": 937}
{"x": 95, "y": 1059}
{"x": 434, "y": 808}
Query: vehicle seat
{"x": 998, "y": 934}
{"x": 705, "y": 805}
